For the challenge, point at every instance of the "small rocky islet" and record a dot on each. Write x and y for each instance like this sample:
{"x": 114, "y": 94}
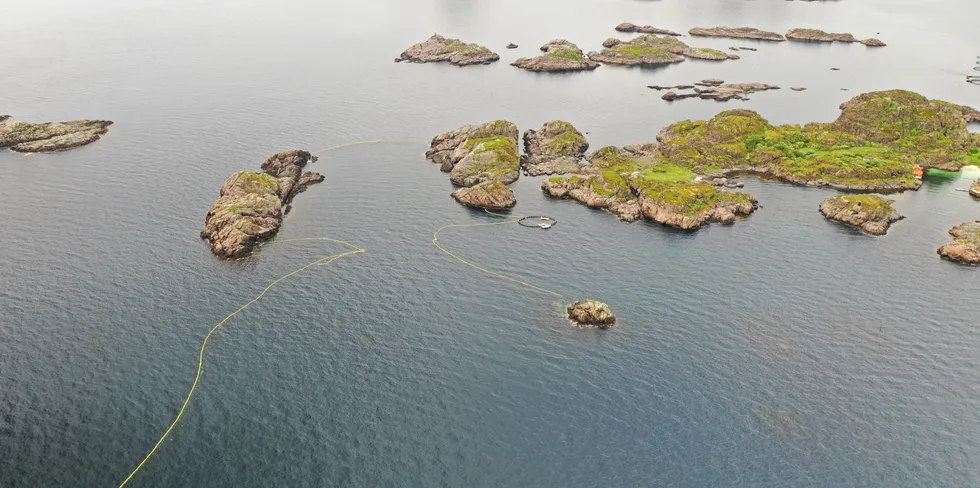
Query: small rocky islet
{"x": 50, "y": 136}
{"x": 714, "y": 89}
{"x": 651, "y": 50}
{"x": 645, "y": 29}
{"x": 556, "y": 148}
{"x": 439, "y": 49}
{"x": 473, "y": 154}
{"x": 592, "y": 314}
{"x": 965, "y": 247}
{"x": 559, "y": 55}
{"x": 869, "y": 213}
{"x": 251, "y": 205}
{"x": 736, "y": 33}
{"x": 817, "y": 35}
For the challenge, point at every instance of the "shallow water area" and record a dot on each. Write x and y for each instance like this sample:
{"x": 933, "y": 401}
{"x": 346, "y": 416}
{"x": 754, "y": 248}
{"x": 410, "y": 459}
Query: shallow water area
{"x": 784, "y": 350}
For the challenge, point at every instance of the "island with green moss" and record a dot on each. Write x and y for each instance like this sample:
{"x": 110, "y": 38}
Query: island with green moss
{"x": 474, "y": 154}
{"x": 556, "y": 148}
{"x": 736, "y": 33}
{"x": 634, "y": 182}
{"x": 817, "y": 35}
{"x": 438, "y": 49}
{"x": 645, "y": 29}
{"x": 50, "y": 136}
{"x": 869, "y": 213}
{"x": 491, "y": 195}
{"x": 965, "y": 247}
{"x": 872, "y": 146}
{"x": 559, "y": 56}
{"x": 651, "y": 50}
{"x": 251, "y": 205}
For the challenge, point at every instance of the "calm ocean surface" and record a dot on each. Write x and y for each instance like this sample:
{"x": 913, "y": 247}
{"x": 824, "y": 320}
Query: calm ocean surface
{"x": 783, "y": 351}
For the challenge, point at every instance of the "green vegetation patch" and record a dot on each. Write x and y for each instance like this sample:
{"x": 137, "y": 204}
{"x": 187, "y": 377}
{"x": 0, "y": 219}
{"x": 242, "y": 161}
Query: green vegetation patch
{"x": 567, "y": 54}
{"x": 640, "y": 51}
{"x": 507, "y": 158}
{"x": 566, "y": 143}
{"x": 690, "y": 199}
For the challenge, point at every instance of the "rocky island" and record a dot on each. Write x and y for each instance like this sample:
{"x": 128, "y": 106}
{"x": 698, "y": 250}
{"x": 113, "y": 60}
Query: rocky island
{"x": 869, "y": 213}
{"x": 736, "y": 33}
{"x": 473, "y": 154}
{"x": 491, "y": 195}
{"x": 720, "y": 92}
{"x": 817, "y": 35}
{"x": 591, "y": 313}
{"x": 50, "y": 136}
{"x": 650, "y": 50}
{"x": 645, "y": 29}
{"x": 441, "y": 49}
{"x": 556, "y": 148}
{"x": 631, "y": 183}
{"x": 251, "y": 205}
{"x": 965, "y": 247}
{"x": 559, "y": 55}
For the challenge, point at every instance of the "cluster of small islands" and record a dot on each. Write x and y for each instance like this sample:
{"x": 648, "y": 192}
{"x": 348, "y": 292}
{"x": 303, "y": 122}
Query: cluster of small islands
{"x": 882, "y": 142}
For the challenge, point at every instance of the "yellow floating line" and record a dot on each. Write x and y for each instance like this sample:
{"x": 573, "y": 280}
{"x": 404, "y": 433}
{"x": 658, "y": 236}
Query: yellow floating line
{"x": 204, "y": 345}
{"x": 377, "y": 141}
{"x": 511, "y": 220}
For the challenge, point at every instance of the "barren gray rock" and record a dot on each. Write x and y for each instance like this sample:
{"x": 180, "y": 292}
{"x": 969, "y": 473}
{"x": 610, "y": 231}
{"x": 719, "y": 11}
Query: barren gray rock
{"x": 737, "y": 33}
{"x": 440, "y": 49}
{"x": 491, "y": 195}
{"x": 51, "y": 136}
{"x": 644, "y": 29}
{"x": 591, "y": 313}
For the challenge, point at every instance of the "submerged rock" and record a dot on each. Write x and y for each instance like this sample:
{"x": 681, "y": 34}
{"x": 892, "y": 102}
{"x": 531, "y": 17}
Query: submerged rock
{"x": 50, "y": 136}
{"x": 591, "y": 313}
{"x": 440, "y": 49}
{"x": 645, "y": 29}
{"x": 249, "y": 209}
{"x": 449, "y": 148}
{"x": 559, "y": 55}
{"x": 737, "y": 33}
{"x": 817, "y": 35}
{"x": 651, "y": 50}
{"x": 870, "y": 213}
{"x": 556, "y": 148}
{"x": 965, "y": 247}
{"x": 491, "y": 195}
{"x": 714, "y": 90}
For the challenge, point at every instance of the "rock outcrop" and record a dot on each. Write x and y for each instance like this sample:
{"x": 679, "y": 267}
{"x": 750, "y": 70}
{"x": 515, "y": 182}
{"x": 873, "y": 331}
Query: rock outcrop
{"x": 490, "y": 195}
{"x": 3, "y": 118}
{"x": 591, "y": 313}
{"x": 737, "y": 33}
{"x": 251, "y": 205}
{"x": 450, "y": 147}
{"x": 645, "y": 29}
{"x": 50, "y": 136}
{"x": 721, "y": 93}
{"x": 975, "y": 189}
{"x": 817, "y": 35}
{"x": 441, "y": 49}
{"x": 559, "y": 55}
{"x": 872, "y": 214}
{"x": 651, "y": 50}
{"x": 556, "y": 148}
{"x": 965, "y": 247}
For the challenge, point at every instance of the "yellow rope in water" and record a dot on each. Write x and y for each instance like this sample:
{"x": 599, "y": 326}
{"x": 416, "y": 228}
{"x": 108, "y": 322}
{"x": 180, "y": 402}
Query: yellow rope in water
{"x": 511, "y": 220}
{"x": 377, "y": 141}
{"x": 200, "y": 359}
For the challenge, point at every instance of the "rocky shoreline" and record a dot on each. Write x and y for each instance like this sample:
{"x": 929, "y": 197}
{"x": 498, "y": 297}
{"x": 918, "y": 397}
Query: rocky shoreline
{"x": 491, "y": 195}
{"x": 559, "y": 55}
{"x": 965, "y": 247}
{"x": 869, "y": 213}
{"x": 817, "y": 35}
{"x": 439, "y": 49}
{"x": 50, "y": 136}
{"x": 251, "y": 205}
{"x": 716, "y": 90}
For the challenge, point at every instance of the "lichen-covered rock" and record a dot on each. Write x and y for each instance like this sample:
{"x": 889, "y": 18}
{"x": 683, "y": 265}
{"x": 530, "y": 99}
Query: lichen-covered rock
{"x": 645, "y": 29}
{"x": 650, "y": 50}
{"x": 690, "y": 206}
{"x": 441, "y": 49}
{"x": 591, "y": 313}
{"x": 872, "y": 146}
{"x": 817, "y": 35}
{"x": 494, "y": 158}
{"x": 448, "y": 148}
{"x": 559, "y": 55}
{"x": 251, "y": 205}
{"x": 556, "y": 148}
{"x": 737, "y": 32}
{"x": 51, "y": 136}
{"x": 490, "y": 195}
{"x": 870, "y": 213}
{"x": 965, "y": 247}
